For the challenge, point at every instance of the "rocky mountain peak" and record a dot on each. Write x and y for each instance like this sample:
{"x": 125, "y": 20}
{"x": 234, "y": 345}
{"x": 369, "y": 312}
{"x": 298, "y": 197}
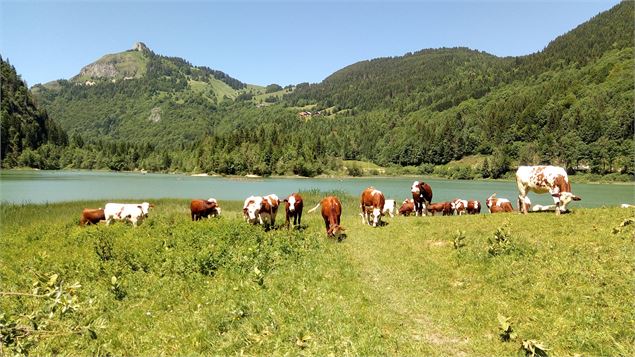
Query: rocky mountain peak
{"x": 141, "y": 47}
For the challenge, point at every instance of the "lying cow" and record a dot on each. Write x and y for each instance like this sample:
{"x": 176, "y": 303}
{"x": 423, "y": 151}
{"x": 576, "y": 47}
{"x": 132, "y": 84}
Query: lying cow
{"x": 407, "y": 207}
{"x": 542, "y": 179}
{"x": 204, "y": 209}
{"x": 372, "y": 204}
{"x": 91, "y": 216}
{"x": 331, "y": 213}
{"x": 261, "y": 210}
{"x": 445, "y": 208}
{"x": 541, "y": 208}
{"x": 389, "y": 207}
{"x": 133, "y": 212}
{"x": 422, "y": 196}
{"x": 293, "y": 209}
{"x": 498, "y": 205}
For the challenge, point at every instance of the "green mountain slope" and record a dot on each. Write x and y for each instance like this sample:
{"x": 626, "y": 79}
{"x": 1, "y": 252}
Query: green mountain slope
{"x": 139, "y": 95}
{"x": 25, "y": 126}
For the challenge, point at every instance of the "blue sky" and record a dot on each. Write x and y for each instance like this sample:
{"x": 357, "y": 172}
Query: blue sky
{"x": 263, "y": 42}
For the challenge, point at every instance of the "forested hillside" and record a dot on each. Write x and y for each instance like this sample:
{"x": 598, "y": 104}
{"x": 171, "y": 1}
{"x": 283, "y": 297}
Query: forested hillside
{"x": 27, "y": 130}
{"x": 139, "y": 96}
{"x": 570, "y": 104}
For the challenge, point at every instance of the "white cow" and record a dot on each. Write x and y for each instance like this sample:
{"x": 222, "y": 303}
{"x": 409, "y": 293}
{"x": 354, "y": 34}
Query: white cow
{"x": 133, "y": 212}
{"x": 542, "y": 179}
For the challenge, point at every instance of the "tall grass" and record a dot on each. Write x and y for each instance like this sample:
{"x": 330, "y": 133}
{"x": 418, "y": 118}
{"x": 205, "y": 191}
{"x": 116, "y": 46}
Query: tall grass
{"x": 221, "y": 286}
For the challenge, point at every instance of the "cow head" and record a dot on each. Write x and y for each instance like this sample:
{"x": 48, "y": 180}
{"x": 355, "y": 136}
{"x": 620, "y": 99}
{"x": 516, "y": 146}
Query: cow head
{"x": 145, "y": 208}
{"x": 290, "y": 203}
{"x": 565, "y": 198}
{"x": 251, "y": 209}
{"x": 490, "y": 200}
{"x": 335, "y": 230}
{"x": 376, "y": 216}
{"x": 415, "y": 188}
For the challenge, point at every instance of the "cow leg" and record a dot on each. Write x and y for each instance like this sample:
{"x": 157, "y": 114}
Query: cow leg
{"x": 287, "y": 221}
{"x": 522, "y": 193}
{"x": 326, "y": 223}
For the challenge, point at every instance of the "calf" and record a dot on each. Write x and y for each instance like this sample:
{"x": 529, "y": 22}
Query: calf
{"x": 407, "y": 207}
{"x": 293, "y": 208}
{"x": 133, "y": 212}
{"x": 331, "y": 213}
{"x": 204, "y": 209}
{"x": 92, "y": 216}
{"x": 542, "y": 179}
{"x": 422, "y": 196}
{"x": 372, "y": 203}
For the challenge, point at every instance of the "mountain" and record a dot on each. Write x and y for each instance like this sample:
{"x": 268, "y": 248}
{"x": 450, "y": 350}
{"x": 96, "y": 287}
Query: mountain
{"x": 137, "y": 94}
{"x": 25, "y": 126}
{"x": 570, "y": 104}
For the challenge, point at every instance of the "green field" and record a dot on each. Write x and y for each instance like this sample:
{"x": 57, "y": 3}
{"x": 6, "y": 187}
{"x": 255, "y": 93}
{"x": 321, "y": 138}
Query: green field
{"x": 220, "y": 286}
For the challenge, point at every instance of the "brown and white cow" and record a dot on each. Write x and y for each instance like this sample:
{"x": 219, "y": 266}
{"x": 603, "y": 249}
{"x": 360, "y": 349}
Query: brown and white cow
{"x": 460, "y": 206}
{"x": 293, "y": 208}
{"x": 92, "y": 216}
{"x": 407, "y": 207}
{"x": 204, "y": 209}
{"x": 331, "y": 212}
{"x": 372, "y": 204}
{"x": 498, "y": 205}
{"x": 261, "y": 210}
{"x": 422, "y": 196}
{"x": 445, "y": 208}
{"x": 542, "y": 179}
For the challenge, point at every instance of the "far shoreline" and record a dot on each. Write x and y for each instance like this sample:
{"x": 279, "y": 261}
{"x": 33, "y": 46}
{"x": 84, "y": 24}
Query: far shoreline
{"x": 578, "y": 178}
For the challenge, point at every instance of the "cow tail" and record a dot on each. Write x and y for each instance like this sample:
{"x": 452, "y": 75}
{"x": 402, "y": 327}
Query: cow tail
{"x": 315, "y": 208}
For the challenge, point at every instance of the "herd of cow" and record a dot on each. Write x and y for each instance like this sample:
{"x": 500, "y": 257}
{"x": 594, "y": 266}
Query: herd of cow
{"x": 373, "y": 205}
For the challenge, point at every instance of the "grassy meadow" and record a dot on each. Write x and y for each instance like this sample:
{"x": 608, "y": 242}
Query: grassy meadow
{"x": 469, "y": 285}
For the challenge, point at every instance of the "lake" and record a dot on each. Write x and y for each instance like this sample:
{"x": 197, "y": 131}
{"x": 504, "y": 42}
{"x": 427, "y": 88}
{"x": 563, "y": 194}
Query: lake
{"x": 18, "y": 186}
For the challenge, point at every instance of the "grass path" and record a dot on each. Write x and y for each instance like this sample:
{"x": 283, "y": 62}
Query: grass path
{"x": 390, "y": 267}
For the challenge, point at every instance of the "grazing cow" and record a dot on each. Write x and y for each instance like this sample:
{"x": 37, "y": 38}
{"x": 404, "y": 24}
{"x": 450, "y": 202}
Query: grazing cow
{"x": 459, "y": 206}
{"x": 204, "y": 209}
{"x": 473, "y": 207}
{"x": 422, "y": 196}
{"x": 407, "y": 207}
{"x": 261, "y": 210}
{"x": 293, "y": 208}
{"x": 541, "y": 179}
{"x": 498, "y": 205}
{"x": 133, "y": 212}
{"x": 372, "y": 203}
{"x": 389, "y": 207}
{"x": 92, "y": 216}
{"x": 331, "y": 212}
